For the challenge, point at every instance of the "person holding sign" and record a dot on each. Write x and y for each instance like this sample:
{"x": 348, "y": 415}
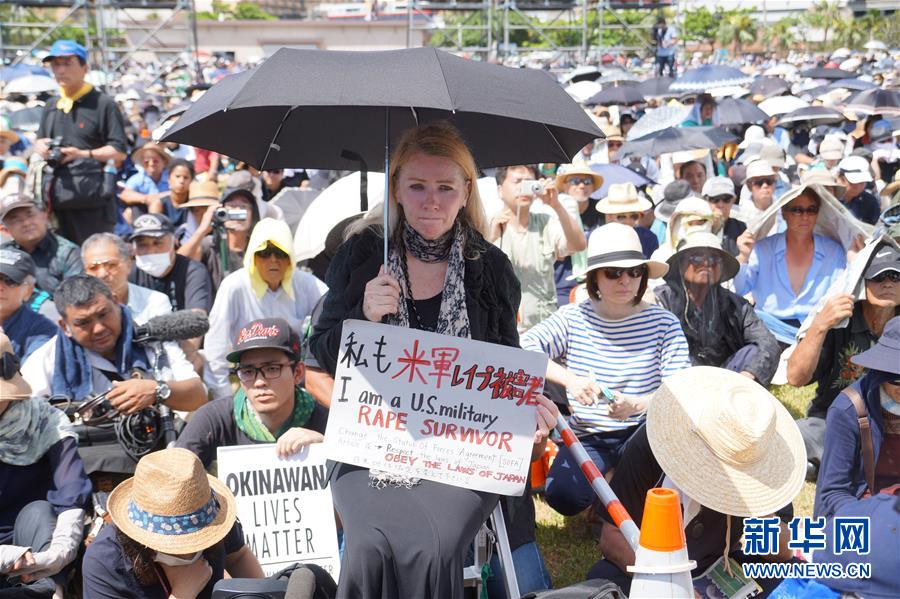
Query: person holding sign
{"x": 270, "y": 407}
{"x": 173, "y": 534}
{"x": 408, "y": 537}
{"x": 618, "y": 349}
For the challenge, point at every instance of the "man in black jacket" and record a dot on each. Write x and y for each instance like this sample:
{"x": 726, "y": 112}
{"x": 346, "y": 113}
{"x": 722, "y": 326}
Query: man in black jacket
{"x": 721, "y": 327}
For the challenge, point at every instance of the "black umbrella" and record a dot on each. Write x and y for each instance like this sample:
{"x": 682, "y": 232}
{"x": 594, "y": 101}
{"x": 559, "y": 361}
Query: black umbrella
{"x": 308, "y": 108}
{"x": 617, "y": 95}
{"x": 26, "y": 119}
{"x": 655, "y": 87}
{"x": 811, "y": 116}
{"x": 854, "y": 84}
{"x": 769, "y": 86}
{"x": 823, "y": 73}
{"x": 675, "y": 139}
{"x": 875, "y": 101}
{"x": 734, "y": 111}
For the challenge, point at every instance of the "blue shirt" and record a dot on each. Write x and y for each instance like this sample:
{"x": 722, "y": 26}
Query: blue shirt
{"x": 766, "y": 276}
{"x": 142, "y": 183}
{"x": 27, "y": 331}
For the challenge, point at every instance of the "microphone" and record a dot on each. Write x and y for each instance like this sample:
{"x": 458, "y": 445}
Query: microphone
{"x": 301, "y": 584}
{"x": 177, "y": 326}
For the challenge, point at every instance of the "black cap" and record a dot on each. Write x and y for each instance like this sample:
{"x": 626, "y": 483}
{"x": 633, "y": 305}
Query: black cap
{"x": 151, "y": 225}
{"x": 16, "y": 264}
{"x": 268, "y": 333}
{"x": 886, "y": 258}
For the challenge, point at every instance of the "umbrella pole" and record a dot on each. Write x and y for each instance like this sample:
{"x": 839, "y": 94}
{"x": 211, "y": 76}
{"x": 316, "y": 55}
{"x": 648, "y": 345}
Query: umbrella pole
{"x": 387, "y": 203}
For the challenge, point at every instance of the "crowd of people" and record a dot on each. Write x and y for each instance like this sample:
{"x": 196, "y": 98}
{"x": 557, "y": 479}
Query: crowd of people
{"x": 669, "y": 290}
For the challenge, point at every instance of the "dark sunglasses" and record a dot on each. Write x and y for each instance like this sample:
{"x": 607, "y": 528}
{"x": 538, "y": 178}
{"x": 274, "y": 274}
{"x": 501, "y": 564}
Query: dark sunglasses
{"x": 760, "y": 182}
{"x": 798, "y": 211}
{"x": 704, "y": 259}
{"x": 580, "y": 180}
{"x": 895, "y": 382}
{"x": 720, "y": 200}
{"x": 271, "y": 251}
{"x": 7, "y": 282}
{"x": 889, "y": 275}
{"x": 635, "y": 272}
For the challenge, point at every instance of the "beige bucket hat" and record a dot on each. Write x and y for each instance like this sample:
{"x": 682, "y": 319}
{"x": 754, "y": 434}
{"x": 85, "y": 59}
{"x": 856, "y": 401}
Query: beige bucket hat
{"x": 726, "y": 441}
{"x": 623, "y": 198}
{"x": 14, "y": 387}
{"x": 569, "y": 170}
{"x": 706, "y": 241}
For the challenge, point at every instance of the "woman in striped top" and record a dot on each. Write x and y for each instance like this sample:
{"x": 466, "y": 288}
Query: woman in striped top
{"x": 613, "y": 340}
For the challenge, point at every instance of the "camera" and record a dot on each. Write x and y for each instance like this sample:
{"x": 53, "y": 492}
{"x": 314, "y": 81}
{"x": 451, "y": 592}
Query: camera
{"x": 530, "y": 187}
{"x": 223, "y": 214}
{"x": 55, "y": 157}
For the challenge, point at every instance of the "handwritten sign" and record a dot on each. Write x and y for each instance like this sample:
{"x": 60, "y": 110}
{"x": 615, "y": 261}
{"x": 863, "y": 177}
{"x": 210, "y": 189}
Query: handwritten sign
{"x": 429, "y": 406}
{"x": 284, "y": 505}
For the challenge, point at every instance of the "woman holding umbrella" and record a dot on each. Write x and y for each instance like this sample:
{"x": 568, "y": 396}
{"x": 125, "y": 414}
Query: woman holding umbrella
{"x": 408, "y": 537}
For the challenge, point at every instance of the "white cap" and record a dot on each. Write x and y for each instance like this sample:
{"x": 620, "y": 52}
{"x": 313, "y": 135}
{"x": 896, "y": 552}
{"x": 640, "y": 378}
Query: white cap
{"x": 831, "y": 148}
{"x": 855, "y": 169}
{"x": 718, "y": 186}
{"x": 753, "y": 133}
{"x": 758, "y": 168}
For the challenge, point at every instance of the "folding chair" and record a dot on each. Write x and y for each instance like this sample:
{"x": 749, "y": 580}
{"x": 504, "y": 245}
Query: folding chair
{"x": 483, "y": 546}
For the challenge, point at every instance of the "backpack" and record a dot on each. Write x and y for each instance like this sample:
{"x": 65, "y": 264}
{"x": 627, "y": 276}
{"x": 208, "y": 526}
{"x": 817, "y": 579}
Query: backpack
{"x": 865, "y": 436}
{"x": 597, "y": 588}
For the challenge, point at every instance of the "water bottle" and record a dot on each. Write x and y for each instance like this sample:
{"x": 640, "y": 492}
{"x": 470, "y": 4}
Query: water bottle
{"x": 110, "y": 173}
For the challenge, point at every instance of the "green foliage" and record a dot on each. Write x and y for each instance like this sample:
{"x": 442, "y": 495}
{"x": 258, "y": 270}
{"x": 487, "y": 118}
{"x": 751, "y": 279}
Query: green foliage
{"x": 737, "y": 28}
{"x": 242, "y": 11}
{"x": 699, "y": 26}
{"x": 781, "y": 36}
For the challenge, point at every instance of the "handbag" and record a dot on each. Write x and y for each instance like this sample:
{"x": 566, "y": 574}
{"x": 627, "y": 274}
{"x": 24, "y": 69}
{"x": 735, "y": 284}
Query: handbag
{"x": 79, "y": 184}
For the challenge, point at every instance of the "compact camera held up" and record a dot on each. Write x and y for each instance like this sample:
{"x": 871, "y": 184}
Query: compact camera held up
{"x": 224, "y": 214}
{"x": 55, "y": 157}
{"x": 530, "y": 187}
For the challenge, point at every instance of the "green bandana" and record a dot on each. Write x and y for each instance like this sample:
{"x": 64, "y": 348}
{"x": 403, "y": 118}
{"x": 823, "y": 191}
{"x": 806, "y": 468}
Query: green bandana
{"x": 248, "y": 420}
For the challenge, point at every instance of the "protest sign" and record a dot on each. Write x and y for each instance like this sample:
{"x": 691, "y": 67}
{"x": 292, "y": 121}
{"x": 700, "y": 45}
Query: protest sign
{"x": 430, "y": 406}
{"x": 284, "y": 505}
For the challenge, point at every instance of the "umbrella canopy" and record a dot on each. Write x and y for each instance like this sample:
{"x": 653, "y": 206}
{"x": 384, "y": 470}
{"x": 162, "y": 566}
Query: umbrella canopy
{"x": 616, "y": 173}
{"x": 782, "y": 105}
{"x": 826, "y": 73}
{"x": 273, "y": 117}
{"x": 617, "y": 76}
{"x": 617, "y": 95}
{"x": 581, "y": 91}
{"x": 769, "y": 86}
{"x": 854, "y": 84}
{"x": 875, "y": 45}
{"x": 875, "y": 101}
{"x": 811, "y": 116}
{"x": 31, "y": 84}
{"x": 709, "y": 76}
{"x": 734, "y": 111}
{"x": 27, "y": 119}
{"x": 655, "y": 87}
{"x": 675, "y": 139}
{"x": 21, "y": 70}
{"x": 783, "y": 69}
{"x": 585, "y": 73}
{"x": 658, "y": 119}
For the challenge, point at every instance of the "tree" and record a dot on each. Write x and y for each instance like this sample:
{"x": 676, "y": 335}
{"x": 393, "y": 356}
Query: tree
{"x": 699, "y": 26}
{"x": 825, "y": 16}
{"x": 781, "y": 35}
{"x": 851, "y": 33}
{"x": 736, "y": 28}
{"x": 249, "y": 11}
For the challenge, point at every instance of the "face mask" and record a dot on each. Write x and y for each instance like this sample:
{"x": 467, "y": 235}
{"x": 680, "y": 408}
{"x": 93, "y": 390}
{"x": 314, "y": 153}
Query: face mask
{"x": 154, "y": 265}
{"x": 888, "y": 403}
{"x": 171, "y": 560}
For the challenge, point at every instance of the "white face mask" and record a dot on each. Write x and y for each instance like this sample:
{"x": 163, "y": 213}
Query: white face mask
{"x": 171, "y": 560}
{"x": 154, "y": 265}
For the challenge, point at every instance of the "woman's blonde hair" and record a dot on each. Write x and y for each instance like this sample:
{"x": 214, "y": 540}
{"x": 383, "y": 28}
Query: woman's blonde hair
{"x": 442, "y": 139}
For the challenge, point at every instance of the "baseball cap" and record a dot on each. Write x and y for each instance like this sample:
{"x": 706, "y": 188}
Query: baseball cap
{"x": 831, "y": 148}
{"x": 66, "y": 48}
{"x": 855, "y": 169}
{"x": 885, "y": 259}
{"x": 758, "y": 168}
{"x": 13, "y": 200}
{"x": 266, "y": 333}
{"x": 718, "y": 186}
{"x": 16, "y": 264}
{"x": 151, "y": 225}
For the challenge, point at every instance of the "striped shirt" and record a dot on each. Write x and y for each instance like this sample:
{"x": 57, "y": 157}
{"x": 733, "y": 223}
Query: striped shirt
{"x": 631, "y": 355}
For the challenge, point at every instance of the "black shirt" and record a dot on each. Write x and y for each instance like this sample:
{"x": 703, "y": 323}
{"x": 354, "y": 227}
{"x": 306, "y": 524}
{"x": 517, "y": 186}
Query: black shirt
{"x": 213, "y": 426}
{"x": 730, "y": 232}
{"x": 108, "y": 574}
{"x": 427, "y": 310}
{"x": 94, "y": 121}
{"x": 865, "y": 207}
{"x": 187, "y": 285}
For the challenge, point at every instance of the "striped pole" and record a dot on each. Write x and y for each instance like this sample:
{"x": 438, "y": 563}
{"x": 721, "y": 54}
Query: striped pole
{"x": 598, "y": 483}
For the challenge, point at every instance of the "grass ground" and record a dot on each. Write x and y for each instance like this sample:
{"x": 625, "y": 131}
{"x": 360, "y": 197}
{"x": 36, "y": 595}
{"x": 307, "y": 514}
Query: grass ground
{"x": 567, "y": 543}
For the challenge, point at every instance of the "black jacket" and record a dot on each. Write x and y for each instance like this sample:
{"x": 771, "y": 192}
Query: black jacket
{"x": 740, "y": 326}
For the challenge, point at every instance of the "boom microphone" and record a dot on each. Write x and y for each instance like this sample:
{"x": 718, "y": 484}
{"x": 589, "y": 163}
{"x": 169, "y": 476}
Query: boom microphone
{"x": 177, "y": 326}
{"x": 301, "y": 584}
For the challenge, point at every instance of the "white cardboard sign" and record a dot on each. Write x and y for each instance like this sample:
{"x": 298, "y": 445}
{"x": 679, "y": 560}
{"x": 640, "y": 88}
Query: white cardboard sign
{"x": 284, "y": 505}
{"x": 436, "y": 407}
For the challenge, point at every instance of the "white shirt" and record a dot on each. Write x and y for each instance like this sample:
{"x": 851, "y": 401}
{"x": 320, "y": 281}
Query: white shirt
{"x": 146, "y": 303}
{"x": 40, "y": 365}
{"x": 236, "y": 305}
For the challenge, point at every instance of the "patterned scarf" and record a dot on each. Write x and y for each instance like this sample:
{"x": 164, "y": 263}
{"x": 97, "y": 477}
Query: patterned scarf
{"x": 30, "y": 427}
{"x": 67, "y": 102}
{"x": 248, "y": 420}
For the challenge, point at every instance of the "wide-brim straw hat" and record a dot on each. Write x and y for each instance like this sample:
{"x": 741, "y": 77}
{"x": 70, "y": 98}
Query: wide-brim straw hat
{"x": 159, "y": 149}
{"x": 726, "y": 442}
{"x": 576, "y": 170}
{"x": 706, "y": 241}
{"x": 15, "y": 388}
{"x": 172, "y": 505}
{"x": 615, "y": 245}
{"x": 623, "y": 198}
{"x": 202, "y": 194}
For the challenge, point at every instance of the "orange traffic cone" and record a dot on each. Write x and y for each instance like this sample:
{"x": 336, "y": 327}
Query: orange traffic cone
{"x": 661, "y": 566}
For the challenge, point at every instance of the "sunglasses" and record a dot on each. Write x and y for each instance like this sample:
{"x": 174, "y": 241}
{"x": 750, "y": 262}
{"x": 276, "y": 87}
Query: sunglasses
{"x": 798, "y": 211}
{"x": 580, "y": 180}
{"x": 7, "y": 282}
{"x": 635, "y": 272}
{"x": 271, "y": 251}
{"x": 704, "y": 259}
{"x": 895, "y": 382}
{"x": 628, "y": 216}
{"x": 890, "y": 275}
{"x": 761, "y": 182}
{"x": 720, "y": 200}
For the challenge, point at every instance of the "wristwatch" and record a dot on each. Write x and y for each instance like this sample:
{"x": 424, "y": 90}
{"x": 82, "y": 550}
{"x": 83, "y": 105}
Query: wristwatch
{"x": 163, "y": 392}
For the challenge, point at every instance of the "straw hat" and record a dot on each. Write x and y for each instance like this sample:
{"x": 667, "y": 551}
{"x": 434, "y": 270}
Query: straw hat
{"x": 14, "y": 387}
{"x": 726, "y": 441}
{"x": 706, "y": 241}
{"x": 823, "y": 177}
{"x": 613, "y": 133}
{"x": 202, "y": 194}
{"x": 615, "y": 245}
{"x": 172, "y": 505}
{"x": 622, "y": 198}
{"x": 568, "y": 170}
{"x": 161, "y": 150}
